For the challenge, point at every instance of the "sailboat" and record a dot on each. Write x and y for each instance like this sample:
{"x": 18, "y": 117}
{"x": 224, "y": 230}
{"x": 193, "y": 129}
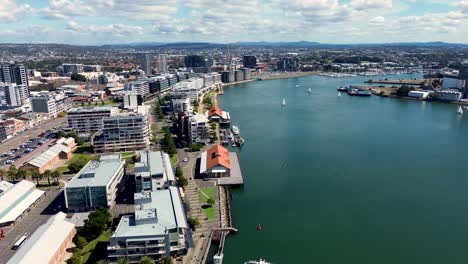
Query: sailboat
{"x": 284, "y": 102}
{"x": 309, "y": 91}
{"x": 339, "y": 93}
{"x": 460, "y": 110}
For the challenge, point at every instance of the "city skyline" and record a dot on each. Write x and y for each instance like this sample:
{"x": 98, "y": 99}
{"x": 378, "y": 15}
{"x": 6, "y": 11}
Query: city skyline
{"x": 95, "y": 22}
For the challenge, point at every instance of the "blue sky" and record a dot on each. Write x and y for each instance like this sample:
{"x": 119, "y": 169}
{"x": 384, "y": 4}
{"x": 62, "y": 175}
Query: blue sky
{"x": 328, "y": 21}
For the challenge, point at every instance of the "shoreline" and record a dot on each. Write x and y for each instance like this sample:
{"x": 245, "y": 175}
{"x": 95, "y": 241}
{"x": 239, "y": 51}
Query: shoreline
{"x": 275, "y": 76}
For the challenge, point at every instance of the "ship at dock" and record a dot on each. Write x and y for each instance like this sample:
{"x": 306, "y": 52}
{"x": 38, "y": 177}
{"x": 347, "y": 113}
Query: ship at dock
{"x": 359, "y": 92}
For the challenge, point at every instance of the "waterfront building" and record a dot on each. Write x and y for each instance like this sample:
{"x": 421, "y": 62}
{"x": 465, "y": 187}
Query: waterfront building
{"x": 246, "y": 72}
{"x": 448, "y": 95}
{"x": 88, "y": 119}
{"x": 463, "y": 75}
{"x": 9, "y": 95}
{"x": 238, "y": 75}
{"x": 215, "y": 114}
{"x": 147, "y": 59}
{"x": 191, "y": 88}
{"x": 157, "y": 228}
{"x": 288, "y": 64}
{"x": 70, "y": 68}
{"x": 211, "y": 79}
{"x": 96, "y": 185}
{"x": 123, "y": 132}
{"x": 62, "y": 150}
{"x": 228, "y": 76}
{"x": 153, "y": 171}
{"x": 18, "y": 74}
{"x": 199, "y": 129}
{"x": 140, "y": 87}
{"x": 250, "y": 62}
{"x": 418, "y": 94}
{"x": 181, "y": 105}
{"x": 217, "y": 162}
{"x": 162, "y": 64}
{"x": 48, "y": 244}
{"x": 17, "y": 200}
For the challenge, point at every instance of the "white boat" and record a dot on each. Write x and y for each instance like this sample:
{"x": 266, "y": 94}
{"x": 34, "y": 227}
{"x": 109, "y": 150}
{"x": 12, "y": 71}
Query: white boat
{"x": 297, "y": 85}
{"x": 460, "y": 110}
{"x": 235, "y": 130}
{"x": 261, "y": 261}
{"x": 309, "y": 91}
{"x": 339, "y": 93}
{"x": 284, "y": 102}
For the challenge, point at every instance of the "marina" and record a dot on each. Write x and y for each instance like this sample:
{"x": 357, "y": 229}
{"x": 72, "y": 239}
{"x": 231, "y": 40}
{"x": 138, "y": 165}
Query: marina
{"x": 383, "y": 202}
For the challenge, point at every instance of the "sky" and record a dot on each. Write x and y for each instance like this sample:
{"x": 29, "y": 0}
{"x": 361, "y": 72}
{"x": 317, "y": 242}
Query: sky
{"x": 96, "y": 22}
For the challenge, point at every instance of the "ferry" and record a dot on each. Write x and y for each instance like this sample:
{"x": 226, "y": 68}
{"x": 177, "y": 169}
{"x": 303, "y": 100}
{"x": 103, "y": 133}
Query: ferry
{"x": 235, "y": 130}
{"x": 261, "y": 261}
{"x": 344, "y": 88}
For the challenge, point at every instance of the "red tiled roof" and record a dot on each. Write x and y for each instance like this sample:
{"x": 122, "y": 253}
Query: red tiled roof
{"x": 218, "y": 155}
{"x": 215, "y": 111}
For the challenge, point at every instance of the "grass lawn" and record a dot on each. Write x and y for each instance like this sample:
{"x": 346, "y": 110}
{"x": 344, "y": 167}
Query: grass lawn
{"x": 174, "y": 160}
{"x": 96, "y": 249}
{"x": 204, "y": 194}
{"x": 63, "y": 169}
{"x": 86, "y": 157}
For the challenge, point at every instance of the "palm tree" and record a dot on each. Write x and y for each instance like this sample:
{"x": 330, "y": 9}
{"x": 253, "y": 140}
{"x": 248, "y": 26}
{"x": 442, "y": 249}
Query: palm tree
{"x": 12, "y": 173}
{"x": 147, "y": 260}
{"x": 56, "y": 176}
{"x": 165, "y": 260}
{"x": 22, "y": 174}
{"x": 3, "y": 173}
{"x": 36, "y": 175}
{"x": 47, "y": 174}
{"x": 122, "y": 261}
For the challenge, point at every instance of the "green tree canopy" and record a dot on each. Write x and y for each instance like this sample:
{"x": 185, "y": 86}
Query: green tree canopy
{"x": 78, "y": 77}
{"x": 147, "y": 260}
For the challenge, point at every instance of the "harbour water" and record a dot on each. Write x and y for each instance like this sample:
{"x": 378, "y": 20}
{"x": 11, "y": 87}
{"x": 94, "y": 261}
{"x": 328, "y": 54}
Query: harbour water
{"x": 347, "y": 179}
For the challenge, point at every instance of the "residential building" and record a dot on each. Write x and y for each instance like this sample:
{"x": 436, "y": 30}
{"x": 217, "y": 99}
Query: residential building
{"x": 48, "y": 243}
{"x": 191, "y": 88}
{"x": 17, "y": 200}
{"x": 18, "y": 74}
{"x": 48, "y": 159}
{"x": 181, "y": 105}
{"x": 463, "y": 75}
{"x": 140, "y": 87}
{"x": 9, "y": 95}
{"x": 157, "y": 228}
{"x": 153, "y": 171}
{"x": 96, "y": 185}
{"x": 158, "y": 84}
{"x": 199, "y": 129}
{"x": 69, "y": 68}
{"x": 162, "y": 64}
{"x": 288, "y": 64}
{"x": 132, "y": 100}
{"x": 147, "y": 59}
{"x": 123, "y": 132}
{"x": 228, "y": 76}
{"x": 211, "y": 79}
{"x": 246, "y": 72}
{"x": 250, "y": 62}
{"x": 88, "y": 119}
{"x": 194, "y": 61}
{"x": 238, "y": 75}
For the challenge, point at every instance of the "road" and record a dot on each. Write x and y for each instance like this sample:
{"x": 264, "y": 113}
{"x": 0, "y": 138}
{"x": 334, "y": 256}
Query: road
{"x": 14, "y": 142}
{"x": 50, "y": 204}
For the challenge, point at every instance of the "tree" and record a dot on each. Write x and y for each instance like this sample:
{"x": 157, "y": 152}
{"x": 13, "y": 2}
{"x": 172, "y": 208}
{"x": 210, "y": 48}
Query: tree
{"x": 122, "y": 261}
{"x": 195, "y": 104}
{"x": 210, "y": 201}
{"x": 102, "y": 261}
{"x": 36, "y": 175}
{"x": 165, "y": 260}
{"x": 47, "y": 174}
{"x": 75, "y": 259}
{"x": 56, "y": 176}
{"x": 78, "y": 77}
{"x": 183, "y": 181}
{"x": 193, "y": 221}
{"x": 179, "y": 172}
{"x": 147, "y": 260}
{"x": 3, "y": 173}
{"x": 61, "y": 134}
{"x": 77, "y": 165}
{"x": 12, "y": 173}
{"x": 80, "y": 242}
{"x": 21, "y": 174}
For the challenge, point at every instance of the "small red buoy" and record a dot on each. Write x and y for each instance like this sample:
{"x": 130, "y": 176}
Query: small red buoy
{"x": 259, "y": 227}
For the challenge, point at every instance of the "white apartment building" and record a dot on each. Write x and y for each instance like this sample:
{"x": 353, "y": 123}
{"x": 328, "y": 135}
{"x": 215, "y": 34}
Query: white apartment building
{"x": 44, "y": 103}
{"x": 199, "y": 129}
{"x": 191, "y": 88}
{"x": 88, "y": 119}
{"x": 9, "y": 95}
{"x": 153, "y": 171}
{"x": 181, "y": 105}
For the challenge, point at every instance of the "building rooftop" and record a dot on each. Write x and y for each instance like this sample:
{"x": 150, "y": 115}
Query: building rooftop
{"x": 43, "y": 244}
{"x": 4, "y": 186}
{"x": 17, "y": 199}
{"x": 97, "y": 172}
{"x": 215, "y": 111}
{"x": 218, "y": 155}
{"x": 48, "y": 155}
{"x": 154, "y": 163}
{"x": 92, "y": 109}
{"x": 163, "y": 208}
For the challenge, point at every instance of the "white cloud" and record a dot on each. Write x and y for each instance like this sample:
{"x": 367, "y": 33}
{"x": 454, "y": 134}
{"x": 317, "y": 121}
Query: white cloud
{"x": 11, "y": 11}
{"x": 371, "y": 4}
{"x": 112, "y": 29}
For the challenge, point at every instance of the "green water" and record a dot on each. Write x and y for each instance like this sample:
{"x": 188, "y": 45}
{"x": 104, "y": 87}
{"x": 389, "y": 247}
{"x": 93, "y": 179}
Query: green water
{"x": 347, "y": 179}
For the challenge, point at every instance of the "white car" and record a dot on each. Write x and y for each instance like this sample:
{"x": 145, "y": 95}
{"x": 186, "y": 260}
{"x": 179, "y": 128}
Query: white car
{"x": 185, "y": 160}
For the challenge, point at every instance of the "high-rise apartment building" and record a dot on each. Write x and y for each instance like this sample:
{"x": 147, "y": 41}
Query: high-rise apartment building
{"x": 69, "y": 68}
{"x": 140, "y": 87}
{"x": 44, "y": 104}
{"x": 18, "y": 74}
{"x": 250, "y": 62}
{"x": 9, "y": 95}
{"x": 162, "y": 64}
{"x": 88, "y": 120}
{"x": 147, "y": 58}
